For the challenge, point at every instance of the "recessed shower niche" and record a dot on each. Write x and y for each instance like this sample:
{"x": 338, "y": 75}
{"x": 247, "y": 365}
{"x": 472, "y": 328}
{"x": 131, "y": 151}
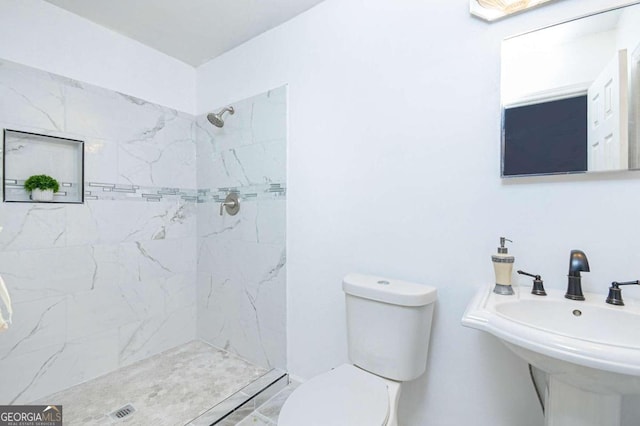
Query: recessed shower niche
{"x": 30, "y": 154}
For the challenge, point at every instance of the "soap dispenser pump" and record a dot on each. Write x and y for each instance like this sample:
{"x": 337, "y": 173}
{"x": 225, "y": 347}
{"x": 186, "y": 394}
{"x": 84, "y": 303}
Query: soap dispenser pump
{"x": 503, "y": 267}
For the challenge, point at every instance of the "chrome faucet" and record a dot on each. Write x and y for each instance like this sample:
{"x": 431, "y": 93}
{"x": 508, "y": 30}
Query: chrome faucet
{"x": 577, "y": 263}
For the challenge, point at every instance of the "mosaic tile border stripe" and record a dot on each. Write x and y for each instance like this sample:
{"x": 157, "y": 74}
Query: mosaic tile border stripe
{"x": 115, "y": 191}
{"x": 246, "y": 193}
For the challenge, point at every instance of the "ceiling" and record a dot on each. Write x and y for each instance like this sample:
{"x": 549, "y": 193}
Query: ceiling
{"x": 193, "y": 31}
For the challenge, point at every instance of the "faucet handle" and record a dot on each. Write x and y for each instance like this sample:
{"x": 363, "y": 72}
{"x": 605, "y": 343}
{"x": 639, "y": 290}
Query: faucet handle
{"x": 538, "y": 287}
{"x": 231, "y": 204}
{"x": 615, "y": 294}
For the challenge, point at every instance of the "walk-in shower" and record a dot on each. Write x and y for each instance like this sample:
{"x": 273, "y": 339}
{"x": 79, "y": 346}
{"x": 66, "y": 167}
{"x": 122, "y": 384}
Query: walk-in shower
{"x": 216, "y": 118}
{"x": 150, "y": 308}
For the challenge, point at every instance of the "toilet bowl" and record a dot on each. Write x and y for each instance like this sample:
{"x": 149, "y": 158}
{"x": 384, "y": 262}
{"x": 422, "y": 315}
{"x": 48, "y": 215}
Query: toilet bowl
{"x": 344, "y": 396}
{"x": 388, "y": 328}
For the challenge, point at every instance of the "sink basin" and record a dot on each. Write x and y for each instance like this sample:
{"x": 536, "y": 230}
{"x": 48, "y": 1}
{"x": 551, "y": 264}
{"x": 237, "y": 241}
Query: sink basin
{"x": 590, "y": 350}
{"x": 591, "y": 322}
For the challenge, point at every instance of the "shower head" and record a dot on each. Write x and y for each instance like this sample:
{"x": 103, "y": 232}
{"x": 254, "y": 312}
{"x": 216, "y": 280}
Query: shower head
{"x": 216, "y": 119}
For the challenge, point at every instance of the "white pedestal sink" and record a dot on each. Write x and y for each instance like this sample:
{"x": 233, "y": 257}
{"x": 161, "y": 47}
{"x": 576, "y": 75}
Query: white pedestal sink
{"x": 589, "y": 349}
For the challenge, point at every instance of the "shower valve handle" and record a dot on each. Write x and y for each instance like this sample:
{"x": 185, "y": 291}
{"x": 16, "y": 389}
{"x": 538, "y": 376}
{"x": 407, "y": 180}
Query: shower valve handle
{"x": 231, "y": 204}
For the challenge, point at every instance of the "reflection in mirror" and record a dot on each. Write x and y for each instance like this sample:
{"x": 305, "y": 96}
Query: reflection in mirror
{"x": 570, "y": 96}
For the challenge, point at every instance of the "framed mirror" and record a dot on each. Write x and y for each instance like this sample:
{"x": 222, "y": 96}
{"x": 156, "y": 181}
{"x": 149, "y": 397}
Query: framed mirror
{"x": 570, "y": 96}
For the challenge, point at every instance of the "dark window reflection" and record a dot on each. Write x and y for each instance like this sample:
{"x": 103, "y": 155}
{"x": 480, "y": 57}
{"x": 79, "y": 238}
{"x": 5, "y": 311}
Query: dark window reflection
{"x": 548, "y": 137}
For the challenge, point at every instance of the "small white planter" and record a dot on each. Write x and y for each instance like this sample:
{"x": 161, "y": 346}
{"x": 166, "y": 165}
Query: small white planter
{"x": 40, "y": 195}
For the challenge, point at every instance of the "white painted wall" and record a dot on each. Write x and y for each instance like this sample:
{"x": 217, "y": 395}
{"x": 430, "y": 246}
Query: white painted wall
{"x": 531, "y": 66}
{"x": 542, "y": 60}
{"x": 629, "y": 31}
{"x": 38, "y": 34}
{"x": 394, "y": 129}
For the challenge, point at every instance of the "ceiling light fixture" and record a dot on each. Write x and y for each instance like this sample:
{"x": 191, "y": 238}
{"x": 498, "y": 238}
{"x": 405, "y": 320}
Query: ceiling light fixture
{"x": 495, "y": 9}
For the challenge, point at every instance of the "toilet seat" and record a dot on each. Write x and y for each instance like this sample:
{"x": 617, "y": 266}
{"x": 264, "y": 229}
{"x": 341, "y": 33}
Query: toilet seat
{"x": 344, "y": 396}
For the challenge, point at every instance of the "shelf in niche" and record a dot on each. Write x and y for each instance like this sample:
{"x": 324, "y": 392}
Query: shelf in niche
{"x": 26, "y": 154}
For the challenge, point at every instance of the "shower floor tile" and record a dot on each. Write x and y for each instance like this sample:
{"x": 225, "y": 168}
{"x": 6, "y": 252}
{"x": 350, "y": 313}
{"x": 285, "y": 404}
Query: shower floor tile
{"x": 170, "y": 388}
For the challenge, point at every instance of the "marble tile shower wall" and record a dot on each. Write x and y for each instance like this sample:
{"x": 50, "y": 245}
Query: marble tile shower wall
{"x": 241, "y": 282}
{"x": 99, "y": 285}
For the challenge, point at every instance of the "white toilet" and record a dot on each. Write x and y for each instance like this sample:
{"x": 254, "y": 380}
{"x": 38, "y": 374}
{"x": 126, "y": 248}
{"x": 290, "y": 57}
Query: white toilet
{"x": 388, "y": 328}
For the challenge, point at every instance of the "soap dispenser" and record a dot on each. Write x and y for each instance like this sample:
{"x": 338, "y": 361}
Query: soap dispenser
{"x": 503, "y": 267}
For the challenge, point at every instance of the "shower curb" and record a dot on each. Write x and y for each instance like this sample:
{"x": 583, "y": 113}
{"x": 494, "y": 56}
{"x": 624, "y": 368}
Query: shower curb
{"x": 242, "y": 403}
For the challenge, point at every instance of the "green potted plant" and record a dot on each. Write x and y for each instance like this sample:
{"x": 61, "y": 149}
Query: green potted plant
{"x": 41, "y": 187}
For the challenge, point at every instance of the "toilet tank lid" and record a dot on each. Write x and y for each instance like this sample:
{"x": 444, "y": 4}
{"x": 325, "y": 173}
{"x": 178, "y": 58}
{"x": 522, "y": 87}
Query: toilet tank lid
{"x": 389, "y": 290}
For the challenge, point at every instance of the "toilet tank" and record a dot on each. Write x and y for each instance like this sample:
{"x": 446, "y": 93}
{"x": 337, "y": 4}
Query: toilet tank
{"x": 388, "y": 325}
